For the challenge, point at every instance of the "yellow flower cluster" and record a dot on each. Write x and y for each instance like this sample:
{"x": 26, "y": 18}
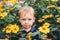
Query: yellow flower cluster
{"x": 1, "y": 5}
{"x": 11, "y": 28}
{"x": 50, "y": 6}
{"x": 12, "y": 2}
{"x": 41, "y": 20}
{"x": 54, "y": 0}
{"x": 58, "y": 20}
{"x": 58, "y": 7}
{"x": 1, "y": 9}
{"x": 44, "y": 29}
{"x": 5, "y": 0}
{"x": 45, "y": 17}
{"x": 28, "y": 36}
{"x": 3, "y": 15}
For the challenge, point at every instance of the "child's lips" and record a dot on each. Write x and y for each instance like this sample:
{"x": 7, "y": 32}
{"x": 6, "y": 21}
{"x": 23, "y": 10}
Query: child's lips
{"x": 26, "y": 25}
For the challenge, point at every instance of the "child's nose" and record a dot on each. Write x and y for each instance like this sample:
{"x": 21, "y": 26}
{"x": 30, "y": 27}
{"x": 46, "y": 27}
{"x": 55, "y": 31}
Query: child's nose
{"x": 26, "y": 22}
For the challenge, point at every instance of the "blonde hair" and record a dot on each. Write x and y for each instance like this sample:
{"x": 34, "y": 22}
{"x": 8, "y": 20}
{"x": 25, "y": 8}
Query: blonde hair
{"x": 26, "y": 9}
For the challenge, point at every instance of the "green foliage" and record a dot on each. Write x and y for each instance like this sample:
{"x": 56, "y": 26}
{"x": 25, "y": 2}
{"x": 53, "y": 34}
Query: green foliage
{"x": 41, "y": 7}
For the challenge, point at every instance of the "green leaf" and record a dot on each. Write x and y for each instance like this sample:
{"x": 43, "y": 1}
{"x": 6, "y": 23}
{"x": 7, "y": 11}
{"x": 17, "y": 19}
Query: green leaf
{"x": 54, "y": 29}
{"x": 10, "y": 18}
{"x": 36, "y": 33}
{"x": 22, "y": 39}
{"x": 43, "y": 36}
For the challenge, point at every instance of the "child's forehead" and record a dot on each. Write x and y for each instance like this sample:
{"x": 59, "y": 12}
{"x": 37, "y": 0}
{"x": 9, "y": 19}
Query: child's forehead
{"x": 26, "y": 14}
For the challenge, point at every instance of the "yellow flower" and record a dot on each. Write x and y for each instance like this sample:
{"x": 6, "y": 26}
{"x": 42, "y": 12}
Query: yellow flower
{"x": 8, "y": 28}
{"x": 6, "y": 39}
{"x": 9, "y": 25}
{"x": 30, "y": 39}
{"x": 1, "y": 9}
{"x": 54, "y": 0}
{"x": 50, "y": 15}
{"x": 5, "y": 0}
{"x": 40, "y": 20}
{"x": 8, "y": 10}
{"x": 4, "y": 14}
{"x": 46, "y": 24}
{"x": 29, "y": 33}
{"x": 45, "y": 16}
{"x": 28, "y": 36}
{"x": 1, "y": 5}
{"x": 15, "y": 28}
{"x": 50, "y": 6}
{"x": 58, "y": 20}
{"x": 58, "y": 7}
{"x": 12, "y": 2}
{"x": 3, "y": 29}
{"x": 44, "y": 30}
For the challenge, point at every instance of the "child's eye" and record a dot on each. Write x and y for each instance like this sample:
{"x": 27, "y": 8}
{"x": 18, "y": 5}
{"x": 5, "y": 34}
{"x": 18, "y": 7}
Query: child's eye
{"x": 23, "y": 19}
{"x": 29, "y": 19}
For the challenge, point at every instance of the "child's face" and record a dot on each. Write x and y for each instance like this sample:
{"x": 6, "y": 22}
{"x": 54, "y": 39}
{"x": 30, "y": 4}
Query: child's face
{"x": 27, "y": 20}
